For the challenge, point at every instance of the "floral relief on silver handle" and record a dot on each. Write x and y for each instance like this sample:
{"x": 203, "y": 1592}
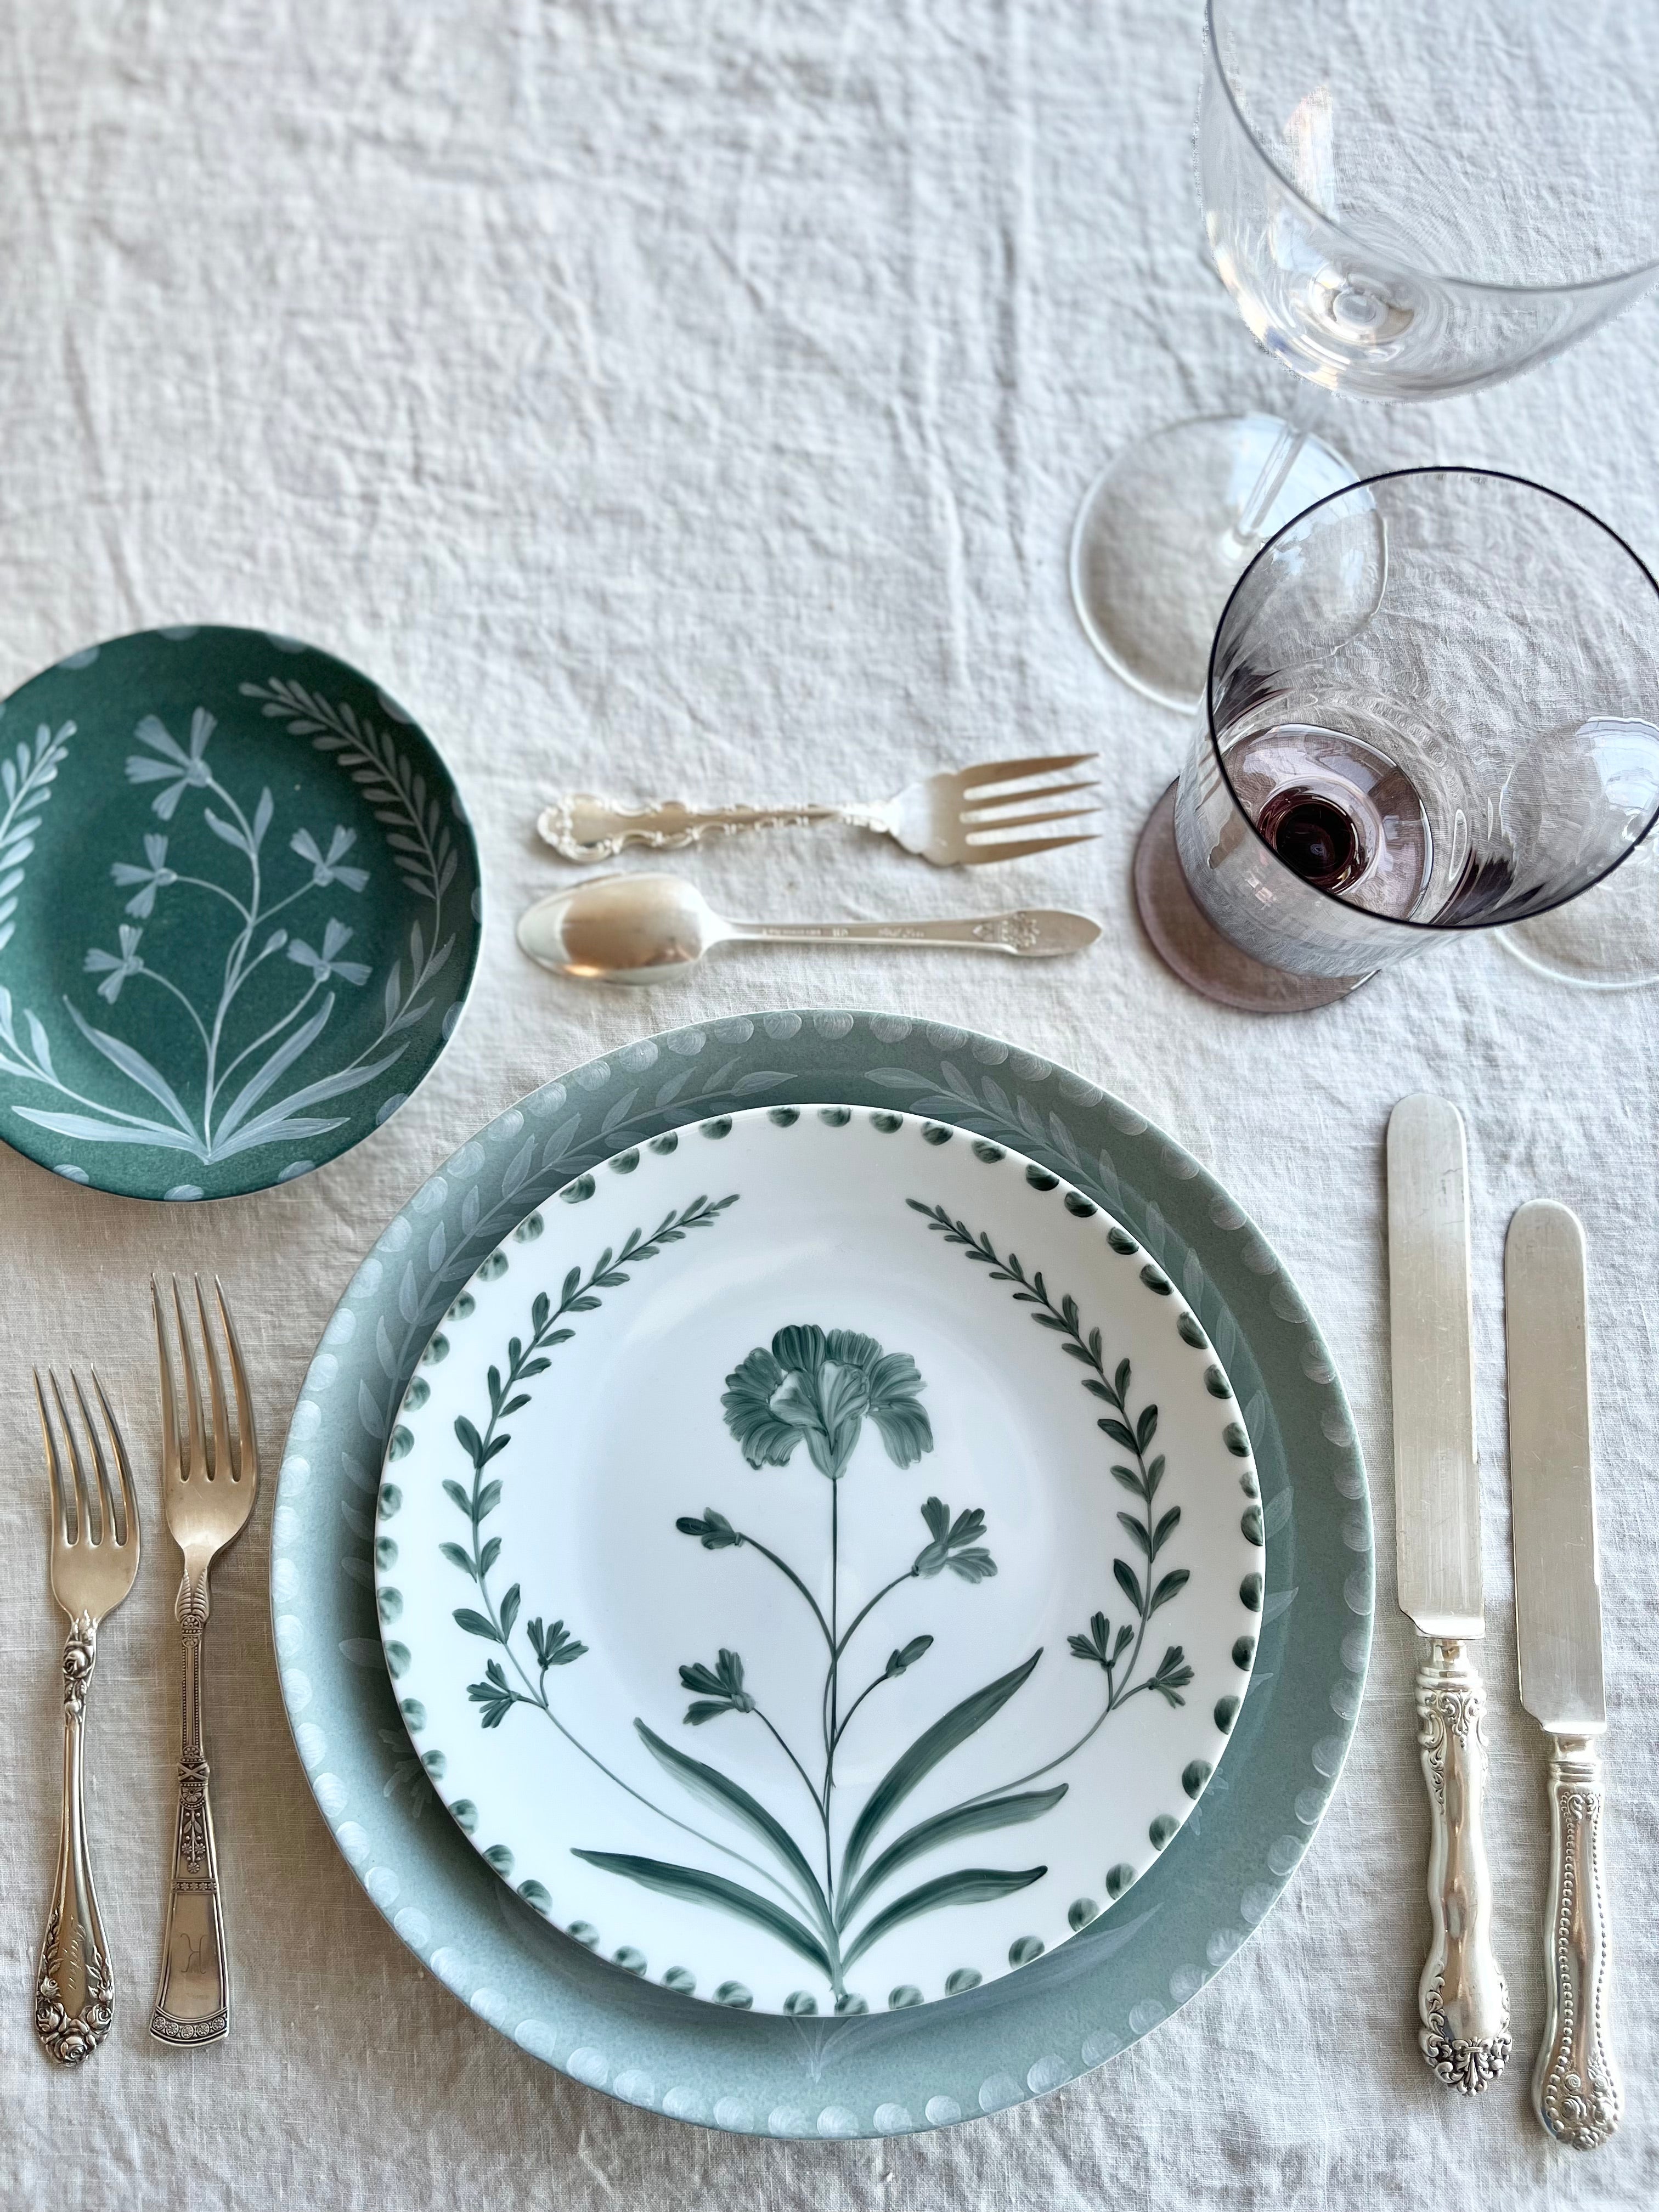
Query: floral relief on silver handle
{"x": 1575, "y": 2088}
{"x": 74, "y": 1988}
{"x": 1463, "y": 2004}
{"x": 580, "y": 826}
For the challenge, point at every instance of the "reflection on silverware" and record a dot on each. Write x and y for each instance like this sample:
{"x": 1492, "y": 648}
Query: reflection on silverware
{"x": 643, "y": 928}
{"x": 208, "y": 1492}
{"x": 1576, "y": 2090}
{"x": 954, "y": 820}
{"x": 1462, "y": 2003}
{"x": 94, "y": 1558}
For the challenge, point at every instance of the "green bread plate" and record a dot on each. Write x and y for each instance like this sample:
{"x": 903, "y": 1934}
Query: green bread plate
{"x": 240, "y": 912}
{"x": 471, "y": 1907}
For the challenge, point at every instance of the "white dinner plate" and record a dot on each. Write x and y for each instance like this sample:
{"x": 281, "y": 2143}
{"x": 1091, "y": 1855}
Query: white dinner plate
{"x": 819, "y": 1560}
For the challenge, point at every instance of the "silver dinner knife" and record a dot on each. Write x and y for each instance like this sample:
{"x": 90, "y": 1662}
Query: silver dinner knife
{"x": 1462, "y": 2003}
{"x": 1576, "y": 2090}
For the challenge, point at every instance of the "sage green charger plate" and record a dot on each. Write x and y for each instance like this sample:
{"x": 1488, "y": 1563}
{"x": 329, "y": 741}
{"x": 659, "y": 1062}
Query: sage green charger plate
{"x": 240, "y": 909}
{"x": 885, "y": 2072}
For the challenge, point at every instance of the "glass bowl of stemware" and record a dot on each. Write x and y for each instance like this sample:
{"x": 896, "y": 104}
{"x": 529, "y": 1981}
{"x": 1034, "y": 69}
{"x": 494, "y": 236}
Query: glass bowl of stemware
{"x": 1433, "y": 707}
{"x": 1405, "y": 200}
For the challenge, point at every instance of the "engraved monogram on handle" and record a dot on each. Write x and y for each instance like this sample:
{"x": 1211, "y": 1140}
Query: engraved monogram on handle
{"x": 1463, "y": 2003}
{"x": 1575, "y": 2089}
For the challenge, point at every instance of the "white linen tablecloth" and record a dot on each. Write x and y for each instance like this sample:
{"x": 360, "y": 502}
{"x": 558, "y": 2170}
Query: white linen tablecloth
{"x": 695, "y": 400}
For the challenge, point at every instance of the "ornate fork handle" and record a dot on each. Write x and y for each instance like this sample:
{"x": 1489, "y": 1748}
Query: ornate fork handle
{"x": 1575, "y": 2087}
{"x": 581, "y": 827}
{"x": 74, "y": 1989}
{"x": 1462, "y": 2002}
{"x": 192, "y": 1997}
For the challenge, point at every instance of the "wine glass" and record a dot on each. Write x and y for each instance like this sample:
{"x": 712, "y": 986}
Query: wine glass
{"x": 1432, "y": 706}
{"x": 1405, "y": 199}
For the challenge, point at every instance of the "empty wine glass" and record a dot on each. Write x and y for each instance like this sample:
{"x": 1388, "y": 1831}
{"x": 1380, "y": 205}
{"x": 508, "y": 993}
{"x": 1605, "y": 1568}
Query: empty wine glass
{"x": 1433, "y": 707}
{"x": 1405, "y": 199}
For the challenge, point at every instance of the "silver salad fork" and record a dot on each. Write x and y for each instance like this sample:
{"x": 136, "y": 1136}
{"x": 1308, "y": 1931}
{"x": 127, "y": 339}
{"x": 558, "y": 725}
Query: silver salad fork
{"x": 957, "y": 819}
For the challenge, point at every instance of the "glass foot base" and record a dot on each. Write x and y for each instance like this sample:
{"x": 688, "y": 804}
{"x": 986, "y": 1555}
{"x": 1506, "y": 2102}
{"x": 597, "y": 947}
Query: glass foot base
{"x": 1168, "y": 528}
{"x": 1607, "y": 939}
{"x": 1188, "y": 941}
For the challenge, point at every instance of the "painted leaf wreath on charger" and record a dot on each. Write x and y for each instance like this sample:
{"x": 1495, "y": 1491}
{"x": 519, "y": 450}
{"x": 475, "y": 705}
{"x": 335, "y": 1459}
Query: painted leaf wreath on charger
{"x": 825, "y": 1407}
{"x": 276, "y": 899}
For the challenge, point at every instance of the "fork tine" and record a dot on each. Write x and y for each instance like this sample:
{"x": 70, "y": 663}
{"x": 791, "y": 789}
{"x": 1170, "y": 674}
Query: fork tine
{"x": 62, "y": 1532}
{"x": 975, "y": 809}
{"x": 198, "y": 1459}
{"x": 170, "y": 1469}
{"x": 108, "y": 1530}
{"x": 1017, "y": 771}
{"x": 118, "y": 1442}
{"x": 82, "y": 1501}
{"x": 1025, "y": 847}
{"x": 979, "y": 827}
{"x": 223, "y": 1459}
{"x": 247, "y": 1450}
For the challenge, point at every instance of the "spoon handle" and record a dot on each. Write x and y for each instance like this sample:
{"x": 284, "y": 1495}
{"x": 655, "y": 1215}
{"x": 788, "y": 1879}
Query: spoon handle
{"x": 1028, "y": 933}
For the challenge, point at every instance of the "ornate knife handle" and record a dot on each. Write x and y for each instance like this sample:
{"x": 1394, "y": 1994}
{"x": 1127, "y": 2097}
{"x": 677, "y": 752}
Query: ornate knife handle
{"x": 192, "y": 1997}
{"x": 581, "y": 827}
{"x": 1575, "y": 2089}
{"x": 1462, "y": 2000}
{"x": 74, "y": 1989}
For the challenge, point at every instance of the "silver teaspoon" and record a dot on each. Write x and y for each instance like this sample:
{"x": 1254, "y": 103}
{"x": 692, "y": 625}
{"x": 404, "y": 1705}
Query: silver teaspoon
{"x": 644, "y": 928}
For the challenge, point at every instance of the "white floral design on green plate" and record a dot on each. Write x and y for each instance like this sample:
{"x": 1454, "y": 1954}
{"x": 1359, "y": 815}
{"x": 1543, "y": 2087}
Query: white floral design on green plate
{"x": 263, "y": 968}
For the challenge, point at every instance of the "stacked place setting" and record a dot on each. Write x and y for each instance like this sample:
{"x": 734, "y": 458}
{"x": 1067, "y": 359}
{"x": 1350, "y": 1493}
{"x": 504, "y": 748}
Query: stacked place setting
{"x": 822, "y": 1572}
{"x": 624, "y": 1518}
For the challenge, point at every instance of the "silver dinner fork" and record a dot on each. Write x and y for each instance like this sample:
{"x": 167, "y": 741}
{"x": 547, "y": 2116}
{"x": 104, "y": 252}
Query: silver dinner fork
{"x": 955, "y": 819}
{"x": 94, "y": 1558}
{"x": 208, "y": 1495}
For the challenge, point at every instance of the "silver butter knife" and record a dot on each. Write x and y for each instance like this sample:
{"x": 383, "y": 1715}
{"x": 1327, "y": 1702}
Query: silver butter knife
{"x": 1557, "y": 1624}
{"x": 1462, "y": 2004}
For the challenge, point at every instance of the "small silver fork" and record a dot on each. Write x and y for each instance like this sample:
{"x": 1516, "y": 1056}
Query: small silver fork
{"x": 208, "y": 1497}
{"x": 960, "y": 818}
{"x": 94, "y": 1559}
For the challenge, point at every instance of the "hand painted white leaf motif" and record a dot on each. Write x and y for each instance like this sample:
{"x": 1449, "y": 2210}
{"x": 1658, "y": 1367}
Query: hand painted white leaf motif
{"x": 436, "y": 1247}
{"x": 369, "y": 1411}
{"x": 208, "y": 1129}
{"x": 518, "y": 1168}
{"x": 470, "y": 1212}
{"x": 1063, "y": 1141}
{"x": 619, "y": 1112}
{"x": 559, "y": 1142}
{"x": 409, "y": 1298}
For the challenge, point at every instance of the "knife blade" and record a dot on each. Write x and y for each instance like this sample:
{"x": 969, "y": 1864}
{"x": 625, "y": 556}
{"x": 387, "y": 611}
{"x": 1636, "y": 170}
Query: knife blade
{"x": 1575, "y": 2089}
{"x": 1463, "y": 2005}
